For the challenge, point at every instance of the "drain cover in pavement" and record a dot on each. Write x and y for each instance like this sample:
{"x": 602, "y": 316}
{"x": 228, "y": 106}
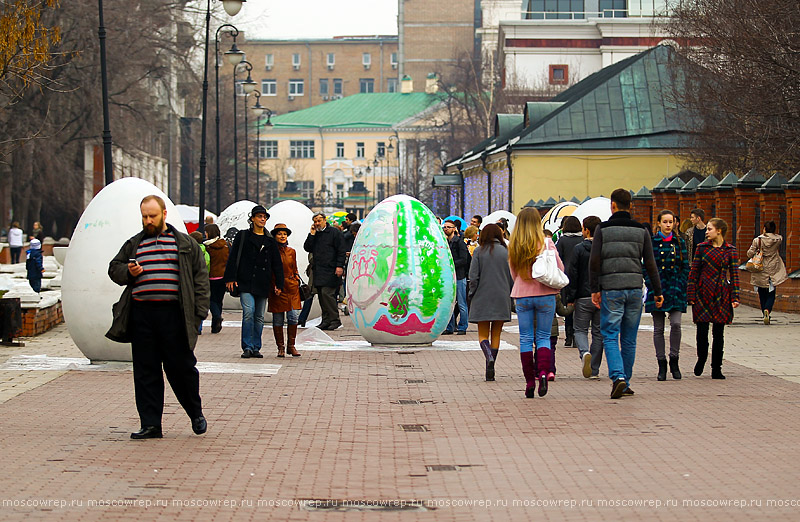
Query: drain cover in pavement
{"x": 363, "y": 505}
{"x": 415, "y": 381}
{"x": 414, "y": 427}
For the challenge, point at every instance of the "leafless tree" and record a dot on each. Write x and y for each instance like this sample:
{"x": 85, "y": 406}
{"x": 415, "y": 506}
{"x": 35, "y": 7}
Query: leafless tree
{"x": 739, "y": 82}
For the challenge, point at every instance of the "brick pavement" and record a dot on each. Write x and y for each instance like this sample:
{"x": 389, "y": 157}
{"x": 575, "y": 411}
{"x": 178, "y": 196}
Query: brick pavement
{"x": 328, "y": 425}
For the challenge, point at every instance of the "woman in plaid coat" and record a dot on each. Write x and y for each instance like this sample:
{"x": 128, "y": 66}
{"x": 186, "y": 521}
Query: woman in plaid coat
{"x": 672, "y": 259}
{"x": 713, "y": 292}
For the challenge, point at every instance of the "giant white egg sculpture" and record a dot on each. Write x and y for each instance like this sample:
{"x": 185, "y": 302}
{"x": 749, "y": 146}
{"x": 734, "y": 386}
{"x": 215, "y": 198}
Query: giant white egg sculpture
{"x": 400, "y": 278}
{"x": 87, "y": 293}
{"x": 600, "y": 207}
{"x": 297, "y": 218}
{"x": 234, "y": 218}
{"x": 495, "y": 216}
{"x": 552, "y": 219}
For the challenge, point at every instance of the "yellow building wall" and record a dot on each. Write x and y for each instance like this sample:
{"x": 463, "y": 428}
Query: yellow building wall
{"x": 565, "y": 176}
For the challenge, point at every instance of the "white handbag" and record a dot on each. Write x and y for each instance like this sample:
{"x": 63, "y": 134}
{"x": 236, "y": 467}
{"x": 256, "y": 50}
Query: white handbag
{"x": 545, "y": 270}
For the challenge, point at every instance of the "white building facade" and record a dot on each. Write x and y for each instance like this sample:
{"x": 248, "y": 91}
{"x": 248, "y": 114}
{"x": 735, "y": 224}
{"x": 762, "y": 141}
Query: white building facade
{"x": 560, "y": 42}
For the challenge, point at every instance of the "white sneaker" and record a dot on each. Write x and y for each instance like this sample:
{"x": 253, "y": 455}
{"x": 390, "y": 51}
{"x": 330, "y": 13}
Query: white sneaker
{"x": 586, "y": 359}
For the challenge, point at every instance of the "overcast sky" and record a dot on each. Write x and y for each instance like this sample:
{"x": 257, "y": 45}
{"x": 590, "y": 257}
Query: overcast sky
{"x": 316, "y": 18}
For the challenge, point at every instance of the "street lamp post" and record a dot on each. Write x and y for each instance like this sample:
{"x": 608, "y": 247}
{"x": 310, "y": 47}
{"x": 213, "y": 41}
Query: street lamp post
{"x": 258, "y": 111}
{"x": 389, "y": 151}
{"x": 374, "y": 180}
{"x": 248, "y": 86}
{"x": 107, "y": 164}
{"x": 234, "y": 56}
{"x": 232, "y": 7}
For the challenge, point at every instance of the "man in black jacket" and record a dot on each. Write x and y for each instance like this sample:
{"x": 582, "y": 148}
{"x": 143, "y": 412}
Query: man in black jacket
{"x": 326, "y": 243}
{"x": 619, "y": 248}
{"x": 461, "y": 259}
{"x": 254, "y": 267}
{"x": 165, "y": 300}
{"x": 579, "y": 293}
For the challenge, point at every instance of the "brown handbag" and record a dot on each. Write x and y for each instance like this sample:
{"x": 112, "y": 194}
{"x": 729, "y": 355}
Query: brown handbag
{"x": 756, "y": 263}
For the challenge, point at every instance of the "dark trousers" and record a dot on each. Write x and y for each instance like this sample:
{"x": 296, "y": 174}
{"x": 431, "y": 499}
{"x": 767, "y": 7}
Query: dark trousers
{"x": 36, "y": 284}
{"x": 327, "y": 301}
{"x": 766, "y": 298}
{"x": 15, "y": 252}
{"x": 217, "y": 294}
{"x": 301, "y": 320}
{"x": 717, "y": 346}
{"x": 159, "y": 337}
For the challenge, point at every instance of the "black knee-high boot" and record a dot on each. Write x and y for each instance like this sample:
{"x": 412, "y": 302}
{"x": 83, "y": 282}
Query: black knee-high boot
{"x": 702, "y": 348}
{"x": 717, "y": 351}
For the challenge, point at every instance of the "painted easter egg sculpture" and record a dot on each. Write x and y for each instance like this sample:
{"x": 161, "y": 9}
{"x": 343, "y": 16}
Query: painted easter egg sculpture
{"x": 401, "y": 282}
{"x": 87, "y": 293}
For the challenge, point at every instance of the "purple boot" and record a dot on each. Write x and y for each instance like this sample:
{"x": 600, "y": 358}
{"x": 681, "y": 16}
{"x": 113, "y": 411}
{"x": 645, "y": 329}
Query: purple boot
{"x": 543, "y": 362}
{"x": 529, "y": 371}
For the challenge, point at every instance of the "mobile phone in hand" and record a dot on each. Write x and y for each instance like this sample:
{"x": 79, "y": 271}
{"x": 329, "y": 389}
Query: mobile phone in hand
{"x": 133, "y": 260}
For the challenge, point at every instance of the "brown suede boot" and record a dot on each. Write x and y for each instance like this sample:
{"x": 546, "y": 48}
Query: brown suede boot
{"x": 277, "y": 331}
{"x": 291, "y": 331}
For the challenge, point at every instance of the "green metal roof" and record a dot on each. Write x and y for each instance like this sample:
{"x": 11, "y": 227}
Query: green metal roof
{"x": 384, "y": 109}
{"x": 631, "y": 98}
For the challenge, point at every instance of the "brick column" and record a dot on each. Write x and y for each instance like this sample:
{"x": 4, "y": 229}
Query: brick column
{"x": 642, "y": 206}
{"x": 669, "y": 197}
{"x": 748, "y": 219}
{"x": 704, "y": 196}
{"x": 792, "y": 239}
{"x": 725, "y": 204}
{"x": 657, "y": 193}
{"x": 687, "y": 199}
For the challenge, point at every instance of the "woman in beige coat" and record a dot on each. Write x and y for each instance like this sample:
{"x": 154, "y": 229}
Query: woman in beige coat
{"x": 774, "y": 272}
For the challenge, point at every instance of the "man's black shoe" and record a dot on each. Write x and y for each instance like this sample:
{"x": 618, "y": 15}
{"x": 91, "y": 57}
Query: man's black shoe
{"x": 461, "y": 332}
{"x": 324, "y": 326}
{"x": 618, "y": 388}
{"x": 332, "y": 326}
{"x": 199, "y": 425}
{"x": 256, "y": 355}
{"x": 447, "y": 332}
{"x": 147, "y": 432}
{"x": 628, "y": 391}
{"x": 246, "y": 354}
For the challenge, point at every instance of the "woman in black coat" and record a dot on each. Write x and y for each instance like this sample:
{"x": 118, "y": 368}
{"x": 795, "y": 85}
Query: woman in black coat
{"x": 571, "y": 236}
{"x": 254, "y": 268}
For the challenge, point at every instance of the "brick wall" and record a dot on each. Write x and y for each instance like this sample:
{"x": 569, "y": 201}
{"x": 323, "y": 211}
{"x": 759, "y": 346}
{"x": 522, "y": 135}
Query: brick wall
{"x": 36, "y": 321}
{"x": 792, "y": 228}
{"x": 787, "y": 295}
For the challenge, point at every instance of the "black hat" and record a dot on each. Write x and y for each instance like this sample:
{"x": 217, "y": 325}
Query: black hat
{"x": 258, "y": 209}
{"x": 280, "y": 227}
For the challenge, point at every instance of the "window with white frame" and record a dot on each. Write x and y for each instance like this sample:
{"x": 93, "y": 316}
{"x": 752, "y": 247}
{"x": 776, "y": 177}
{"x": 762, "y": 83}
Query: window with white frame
{"x": 268, "y": 149}
{"x": 359, "y": 149}
{"x": 301, "y": 149}
{"x": 391, "y": 85}
{"x": 339, "y": 149}
{"x": 239, "y": 87}
{"x": 366, "y": 59}
{"x": 269, "y": 87}
{"x": 381, "y": 149}
{"x": 331, "y": 59}
{"x": 394, "y": 60}
{"x": 323, "y": 87}
{"x": 338, "y": 86}
{"x": 296, "y": 60}
{"x": 296, "y": 87}
{"x": 269, "y": 61}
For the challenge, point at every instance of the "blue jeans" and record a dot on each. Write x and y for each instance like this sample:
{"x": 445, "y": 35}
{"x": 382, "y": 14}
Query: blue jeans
{"x": 543, "y": 309}
{"x": 461, "y": 308}
{"x": 253, "y": 307}
{"x": 290, "y": 317}
{"x": 620, "y": 313}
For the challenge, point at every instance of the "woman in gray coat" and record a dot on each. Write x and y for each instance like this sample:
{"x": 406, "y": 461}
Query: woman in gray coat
{"x": 774, "y": 272}
{"x": 490, "y": 286}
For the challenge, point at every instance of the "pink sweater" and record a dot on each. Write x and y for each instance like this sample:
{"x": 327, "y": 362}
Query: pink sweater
{"x": 532, "y": 287}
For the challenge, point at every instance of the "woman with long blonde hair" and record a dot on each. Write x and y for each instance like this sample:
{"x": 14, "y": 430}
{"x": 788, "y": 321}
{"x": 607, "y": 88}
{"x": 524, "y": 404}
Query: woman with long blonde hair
{"x": 535, "y": 301}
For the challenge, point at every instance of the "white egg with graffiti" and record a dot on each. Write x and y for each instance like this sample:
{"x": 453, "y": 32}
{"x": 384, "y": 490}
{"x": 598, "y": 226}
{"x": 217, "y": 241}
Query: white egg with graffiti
{"x": 401, "y": 282}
